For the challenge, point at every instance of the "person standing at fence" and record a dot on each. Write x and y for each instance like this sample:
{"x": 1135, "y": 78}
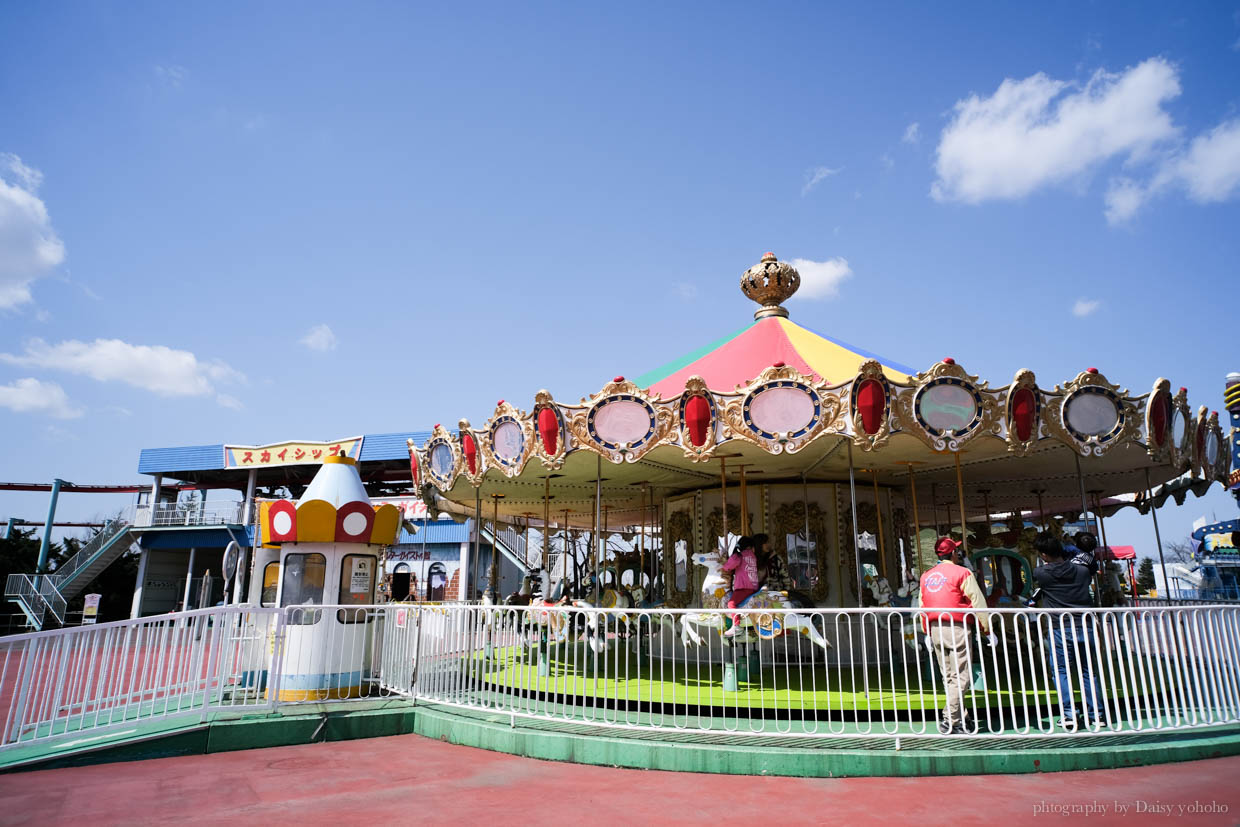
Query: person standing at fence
{"x": 1064, "y": 584}
{"x": 949, "y": 590}
{"x": 744, "y": 565}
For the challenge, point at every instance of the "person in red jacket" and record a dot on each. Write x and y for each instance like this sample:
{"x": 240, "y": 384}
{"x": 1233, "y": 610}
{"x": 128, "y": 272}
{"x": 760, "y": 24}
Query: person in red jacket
{"x": 951, "y": 589}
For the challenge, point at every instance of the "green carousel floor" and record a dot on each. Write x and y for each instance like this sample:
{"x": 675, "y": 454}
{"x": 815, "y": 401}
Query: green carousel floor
{"x": 845, "y": 689}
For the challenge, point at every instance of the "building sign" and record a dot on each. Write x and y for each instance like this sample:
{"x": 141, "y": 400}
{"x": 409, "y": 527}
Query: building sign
{"x": 359, "y": 576}
{"x": 289, "y": 453}
{"x": 90, "y": 611}
{"x": 411, "y": 508}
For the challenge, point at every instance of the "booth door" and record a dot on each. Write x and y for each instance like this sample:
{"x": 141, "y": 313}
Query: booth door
{"x": 400, "y": 582}
{"x": 436, "y": 582}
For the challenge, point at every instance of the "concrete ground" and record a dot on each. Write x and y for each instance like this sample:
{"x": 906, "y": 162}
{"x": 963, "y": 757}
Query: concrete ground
{"x": 408, "y": 779}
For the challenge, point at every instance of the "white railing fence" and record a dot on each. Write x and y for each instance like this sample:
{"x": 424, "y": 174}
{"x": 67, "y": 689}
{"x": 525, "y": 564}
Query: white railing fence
{"x": 852, "y": 673}
{"x": 184, "y": 514}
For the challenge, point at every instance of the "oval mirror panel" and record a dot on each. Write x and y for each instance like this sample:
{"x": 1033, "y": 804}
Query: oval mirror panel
{"x": 622, "y": 422}
{"x": 782, "y": 410}
{"x": 508, "y": 441}
{"x": 947, "y": 407}
{"x": 1092, "y": 413}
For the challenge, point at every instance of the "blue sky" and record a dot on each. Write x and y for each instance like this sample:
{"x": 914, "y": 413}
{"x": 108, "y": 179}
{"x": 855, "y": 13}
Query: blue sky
{"x": 253, "y": 222}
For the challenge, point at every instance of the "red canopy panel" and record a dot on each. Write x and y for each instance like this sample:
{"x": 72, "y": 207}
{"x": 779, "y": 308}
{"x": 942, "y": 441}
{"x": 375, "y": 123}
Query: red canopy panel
{"x": 1119, "y": 553}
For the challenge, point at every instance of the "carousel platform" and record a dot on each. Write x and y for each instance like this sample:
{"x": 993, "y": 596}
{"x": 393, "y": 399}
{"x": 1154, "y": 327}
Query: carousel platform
{"x": 834, "y": 755}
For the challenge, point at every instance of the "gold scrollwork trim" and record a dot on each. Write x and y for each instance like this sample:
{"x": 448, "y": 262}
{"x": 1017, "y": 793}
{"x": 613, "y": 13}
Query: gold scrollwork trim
{"x": 505, "y": 412}
{"x": 1024, "y": 380}
{"x": 870, "y": 369}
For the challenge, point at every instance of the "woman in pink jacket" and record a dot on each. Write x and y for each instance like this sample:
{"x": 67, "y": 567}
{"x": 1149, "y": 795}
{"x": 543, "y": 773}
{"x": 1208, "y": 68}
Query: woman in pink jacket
{"x": 744, "y": 564}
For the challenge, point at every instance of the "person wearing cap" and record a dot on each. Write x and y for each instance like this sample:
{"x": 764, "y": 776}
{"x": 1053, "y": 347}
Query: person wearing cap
{"x": 949, "y": 591}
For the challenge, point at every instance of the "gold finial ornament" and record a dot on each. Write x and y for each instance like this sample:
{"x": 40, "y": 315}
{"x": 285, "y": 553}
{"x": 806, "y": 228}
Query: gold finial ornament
{"x": 770, "y": 283}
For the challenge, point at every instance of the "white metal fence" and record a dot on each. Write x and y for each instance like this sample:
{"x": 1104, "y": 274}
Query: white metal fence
{"x": 853, "y": 673}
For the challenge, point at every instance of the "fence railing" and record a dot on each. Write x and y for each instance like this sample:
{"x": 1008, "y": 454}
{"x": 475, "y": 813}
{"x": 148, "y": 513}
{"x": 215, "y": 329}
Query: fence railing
{"x": 132, "y": 674}
{"x": 848, "y": 673}
{"x": 166, "y": 515}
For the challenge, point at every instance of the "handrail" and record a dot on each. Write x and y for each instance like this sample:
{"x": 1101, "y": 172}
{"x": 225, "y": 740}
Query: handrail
{"x": 70, "y": 569}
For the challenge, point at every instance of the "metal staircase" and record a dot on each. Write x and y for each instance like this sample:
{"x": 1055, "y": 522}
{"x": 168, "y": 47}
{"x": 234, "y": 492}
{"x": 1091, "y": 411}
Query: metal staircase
{"x": 38, "y": 594}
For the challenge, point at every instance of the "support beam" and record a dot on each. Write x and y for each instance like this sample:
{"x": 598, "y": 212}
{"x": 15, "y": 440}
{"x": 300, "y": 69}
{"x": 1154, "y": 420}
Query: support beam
{"x": 45, "y": 547}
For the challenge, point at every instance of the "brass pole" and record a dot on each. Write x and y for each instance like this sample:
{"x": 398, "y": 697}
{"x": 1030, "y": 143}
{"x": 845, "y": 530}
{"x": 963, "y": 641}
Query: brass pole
{"x": 641, "y": 539}
{"x": 598, "y": 516}
{"x": 878, "y": 516}
{"x": 546, "y": 518}
{"x": 964, "y": 527}
{"x": 723, "y": 495}
{"x": 852, "y": 489}
{"x": 1157, "y": 536}
{"x": 934, "y": 505}
{"x": 912, "y": 484}
{"x": 986, "y": 504}
{"x": 1041, "y": 511}
{"x": 493, "y": 586}
{"x": 744, "y": 503}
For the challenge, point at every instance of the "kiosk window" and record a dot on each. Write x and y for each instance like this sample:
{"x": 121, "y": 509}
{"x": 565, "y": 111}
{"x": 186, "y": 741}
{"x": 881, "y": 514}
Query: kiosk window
{"x": 303, "y": 586}
{"x": 271, "y": 579}
{"x": 357, "y": 586}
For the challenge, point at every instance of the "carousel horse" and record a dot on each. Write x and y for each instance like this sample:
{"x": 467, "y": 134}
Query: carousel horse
{"x": 714, "y": 596}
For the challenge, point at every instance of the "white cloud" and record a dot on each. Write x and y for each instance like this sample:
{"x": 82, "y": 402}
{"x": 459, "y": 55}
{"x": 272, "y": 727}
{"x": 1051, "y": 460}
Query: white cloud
{"x": 684, "y": 290}
{"x": 320, "y": 338}
{"x": 887, "y": 162}
{"x": 1124, "y": 197}
{"x": 29, "y": 247}
{"x": 1037, "y": 132}
{"x": 912, "y": 133}
{"x": 821, "y": 279}
{"x": 156, "y": 368}
{"x": 1208, "y": 170}
{"x": 1085, "y": 307}
{"x": 816, "y": 176}
{"x": 33, "y": 396}
{"x": 171, "y": 74}
{"x": 225, "y": 400}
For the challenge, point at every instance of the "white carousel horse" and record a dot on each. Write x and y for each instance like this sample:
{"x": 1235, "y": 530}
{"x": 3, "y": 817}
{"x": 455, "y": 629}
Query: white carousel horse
{"x": 714, "y": 593}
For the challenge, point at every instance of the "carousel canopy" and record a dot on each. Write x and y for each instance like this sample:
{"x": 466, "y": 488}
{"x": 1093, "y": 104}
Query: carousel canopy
{"x": 740, "y": 356}
{"x": 793, "y": 407}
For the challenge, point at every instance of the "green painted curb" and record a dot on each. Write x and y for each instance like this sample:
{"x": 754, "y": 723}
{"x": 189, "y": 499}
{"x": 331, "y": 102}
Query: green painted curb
{"x": 747, "y": 756}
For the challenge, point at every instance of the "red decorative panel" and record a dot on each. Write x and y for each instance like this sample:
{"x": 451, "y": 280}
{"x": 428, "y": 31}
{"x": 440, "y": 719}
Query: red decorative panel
{"x": 871, "y": 403}
{"x": 1023, "y": 407}
{"x": 697, "y": 419}
{"x": 549, "y": 430}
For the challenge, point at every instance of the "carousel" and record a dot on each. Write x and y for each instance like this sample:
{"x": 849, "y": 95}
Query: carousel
{"x": 849, "y": 463}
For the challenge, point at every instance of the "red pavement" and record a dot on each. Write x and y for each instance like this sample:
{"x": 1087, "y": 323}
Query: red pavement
{"x": 409, "y": 779}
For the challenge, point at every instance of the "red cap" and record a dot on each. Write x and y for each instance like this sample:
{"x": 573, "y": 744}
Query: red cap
{"x": 946, "y": 546}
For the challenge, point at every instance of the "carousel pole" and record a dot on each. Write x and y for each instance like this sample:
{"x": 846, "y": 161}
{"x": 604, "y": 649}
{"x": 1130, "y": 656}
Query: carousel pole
{"x": 493, "y": 587}
{"x": 576, "y": 576}
{"x": 934, "y": 505}
{"x": 805, "y": 510}
{"x": 1041, "y": 510}
{"x": 1157, "y": 536}
{"x": 598, "y": 518}
{"x": 985, "y": 492}
{"x": 641, "y": 538}
{"x": 964, "y": 527}
{"x": 744, "y": 501}
{"x": 1080, "y": 481}
{"x": 1102, "y": 532}
{"x": 546, "y": 525}
{"x": 912, "y": 484}
{"x": 723, "y": 496}
{"x": 852, "y": 489}
{"x": 878, "y": 517}
{"x": 473, "y": 569}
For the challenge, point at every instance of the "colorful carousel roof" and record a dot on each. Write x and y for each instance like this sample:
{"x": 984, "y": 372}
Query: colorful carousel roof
{"x": 796, "y": 407}
{"x": 737, "y": 358}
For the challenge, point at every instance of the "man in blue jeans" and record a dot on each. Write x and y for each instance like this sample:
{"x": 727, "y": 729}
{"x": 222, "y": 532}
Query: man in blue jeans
{"x": 1064, "y": 584}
